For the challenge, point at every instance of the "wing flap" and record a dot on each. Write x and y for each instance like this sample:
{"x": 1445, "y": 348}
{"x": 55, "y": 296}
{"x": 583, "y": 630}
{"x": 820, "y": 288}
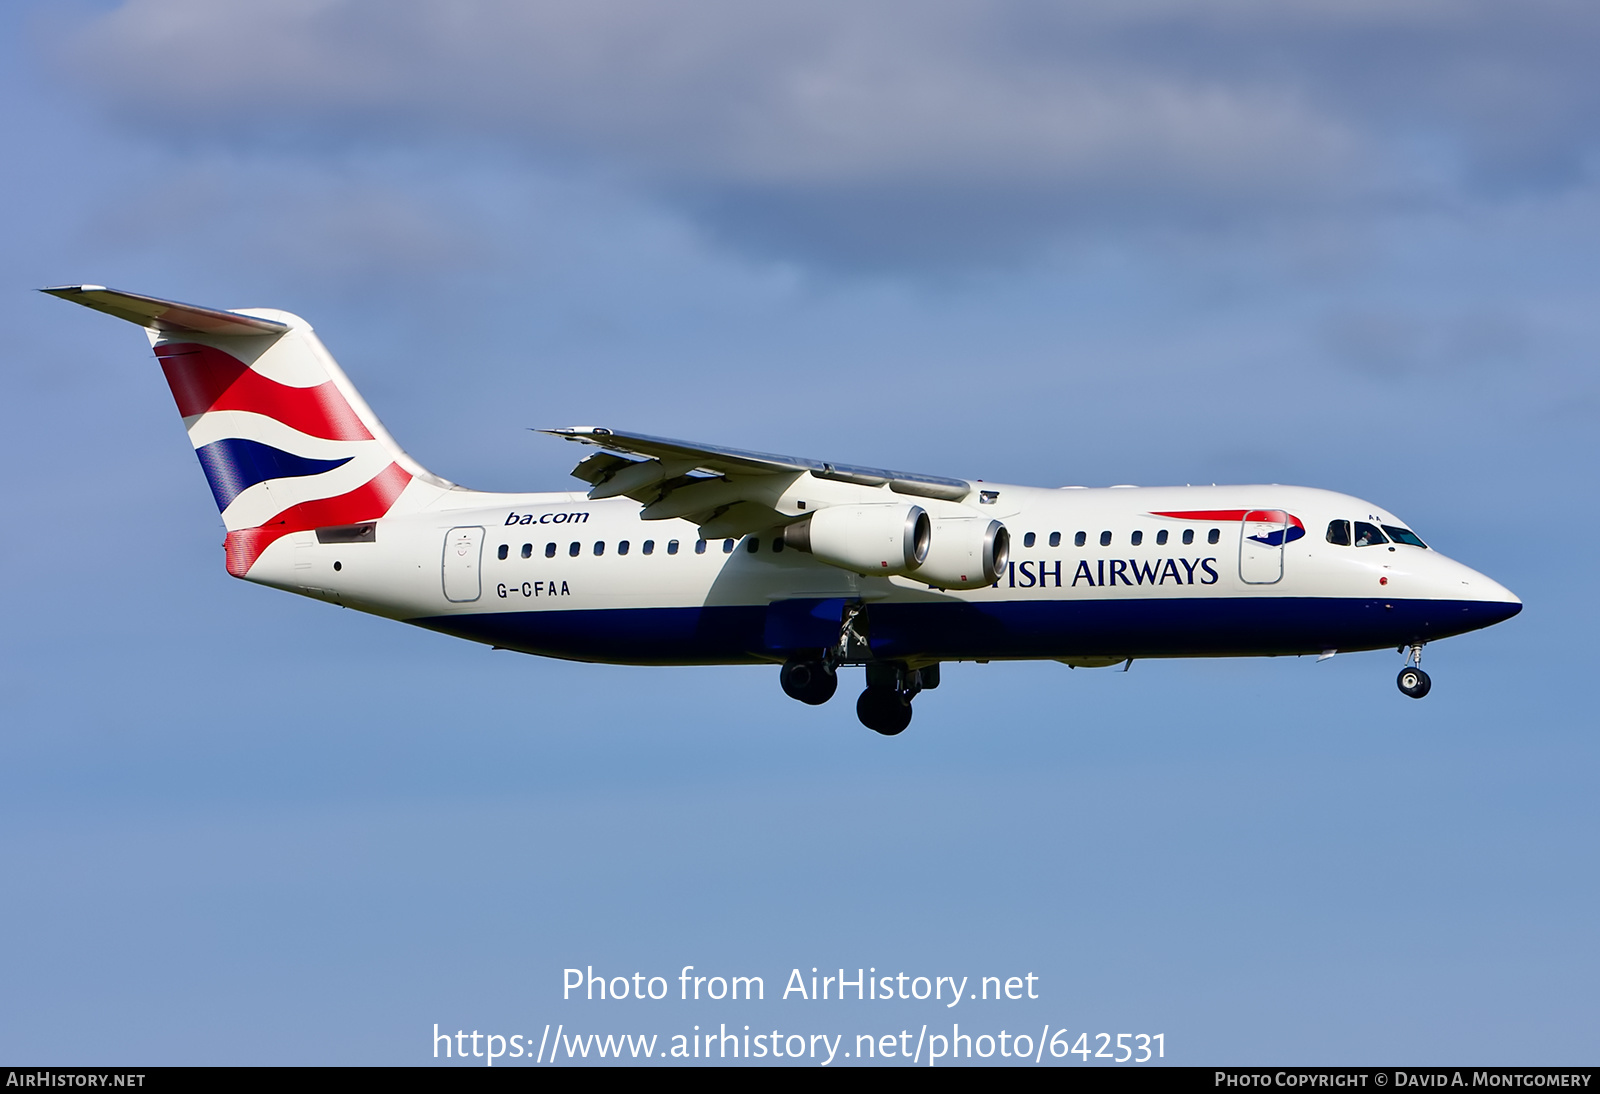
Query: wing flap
{"x": 738, "y": 519}
{"x": 641, "y": 479}
{"x": 726, "y": 491}
{"x": 699, "y": 498}
{"x": 955, "y": 490}
{"x": 599, "y": 468}
{"x": 616, "y": 477}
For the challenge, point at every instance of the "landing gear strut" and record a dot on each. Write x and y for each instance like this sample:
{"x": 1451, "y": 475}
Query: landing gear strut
{"x": 1412, "y": 681}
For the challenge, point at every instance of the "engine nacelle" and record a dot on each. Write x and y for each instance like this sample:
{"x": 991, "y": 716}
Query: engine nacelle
{"x": 869, "y": 539}
{"x": 966, "y": 553}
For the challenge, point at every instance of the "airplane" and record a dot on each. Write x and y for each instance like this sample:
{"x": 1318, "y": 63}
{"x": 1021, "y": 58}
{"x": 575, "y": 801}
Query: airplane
{"x": 693, "y": 554}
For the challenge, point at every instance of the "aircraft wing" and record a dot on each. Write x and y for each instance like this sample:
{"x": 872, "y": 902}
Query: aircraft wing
{"x": 727, "y": 491}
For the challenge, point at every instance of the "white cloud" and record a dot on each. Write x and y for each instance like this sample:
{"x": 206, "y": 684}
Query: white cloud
{"x": 806, "y": 119}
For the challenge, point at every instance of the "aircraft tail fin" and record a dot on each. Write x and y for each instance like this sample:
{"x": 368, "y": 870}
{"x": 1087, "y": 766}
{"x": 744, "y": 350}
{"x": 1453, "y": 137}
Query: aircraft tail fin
{"x": 286, "y": 442}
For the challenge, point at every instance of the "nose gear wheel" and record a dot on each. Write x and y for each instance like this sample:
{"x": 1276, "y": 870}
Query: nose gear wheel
{"x": 1412, "y": 681}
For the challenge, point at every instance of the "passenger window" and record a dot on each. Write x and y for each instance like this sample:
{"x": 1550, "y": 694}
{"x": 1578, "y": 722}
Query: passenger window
{"x": 1027, "y": 539}
{"x": 1161, "y": 538}
{"x": 752, "y": 545}
{"x": 1339, "y": 533}
{"x": 574, "y": 549}
{"x": 1214, "y": 535}
{"x": 599, "y": 547}
{"x": 527, "y": 550}
{"x": 1404, "y": 535}
{"x": 549, "y": 550}
{"x": 1188, "y": 535}
{"x": 777, "y": 544}
{"x": 622, "y": 548}
{"x": 1080, "y": 539}
{"x": 649, "y": 547}
{"x": 1137, "y": 538}
{"x": 1105, "y": 539}
{"x": 1368, "y": 536}
{"x": 727, "y": 546}
{"x": 505, "y": 549}
{"x": 699, "y": 546}
{"x": 672, "y": 546}
{"x": 1055, "y": 539}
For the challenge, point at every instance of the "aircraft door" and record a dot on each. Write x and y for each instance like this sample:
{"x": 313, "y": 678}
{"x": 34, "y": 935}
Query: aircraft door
{"x": 463, "y": 558}
{"x": 1261, "y": 543}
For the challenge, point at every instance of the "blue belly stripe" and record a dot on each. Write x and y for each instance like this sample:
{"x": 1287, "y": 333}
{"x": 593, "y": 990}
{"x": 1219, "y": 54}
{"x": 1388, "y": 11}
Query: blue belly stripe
{"x": 1193, "y": 627}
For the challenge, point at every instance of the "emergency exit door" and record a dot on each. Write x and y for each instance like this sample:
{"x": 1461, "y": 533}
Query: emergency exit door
{"x": 463, "y": 559}
{"x": 1261, "y": 546}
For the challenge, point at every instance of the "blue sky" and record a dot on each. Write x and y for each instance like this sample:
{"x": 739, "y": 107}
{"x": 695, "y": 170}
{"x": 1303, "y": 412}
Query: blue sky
{"x": 1343, "y": 245}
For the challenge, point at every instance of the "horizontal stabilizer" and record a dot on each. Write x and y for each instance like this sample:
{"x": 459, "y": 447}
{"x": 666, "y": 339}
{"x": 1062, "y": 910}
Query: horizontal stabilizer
{"x": 165, "y": 315}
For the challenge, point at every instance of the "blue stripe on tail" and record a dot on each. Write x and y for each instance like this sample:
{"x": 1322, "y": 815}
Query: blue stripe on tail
{"x": 234, "y": 464}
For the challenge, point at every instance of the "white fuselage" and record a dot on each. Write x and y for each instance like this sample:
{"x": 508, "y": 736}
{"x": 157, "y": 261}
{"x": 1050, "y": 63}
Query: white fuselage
{"x": 562, "y": 575}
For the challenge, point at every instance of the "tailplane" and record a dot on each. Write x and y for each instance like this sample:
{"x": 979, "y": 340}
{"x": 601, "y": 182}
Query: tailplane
{"x": 286, "y": 442}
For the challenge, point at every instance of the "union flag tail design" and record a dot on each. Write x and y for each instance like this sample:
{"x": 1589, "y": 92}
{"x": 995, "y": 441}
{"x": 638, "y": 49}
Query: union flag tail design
{"x": 286, "y": 443}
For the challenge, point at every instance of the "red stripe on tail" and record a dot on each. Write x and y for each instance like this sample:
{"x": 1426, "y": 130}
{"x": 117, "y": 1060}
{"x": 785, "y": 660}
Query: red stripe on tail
{"x": 368, "y": 501}
{"x": 204, "y": 378}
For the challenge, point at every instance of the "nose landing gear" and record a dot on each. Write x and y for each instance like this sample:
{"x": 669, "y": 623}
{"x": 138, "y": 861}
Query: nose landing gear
{"x": 1412, "y": 681}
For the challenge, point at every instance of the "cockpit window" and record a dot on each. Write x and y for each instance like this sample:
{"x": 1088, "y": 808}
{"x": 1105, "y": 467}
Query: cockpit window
{"x": 1367, "y": 535}
{"x": 1339, "y": 533}
{"x": 1404, "y": 535}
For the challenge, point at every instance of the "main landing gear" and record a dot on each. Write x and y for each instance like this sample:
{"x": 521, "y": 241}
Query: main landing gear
{"x": 1412, "y": 681}
{"x": 812, "y": 682}
{"x": 885, "y": 707}
{"x": 884, "y": 710}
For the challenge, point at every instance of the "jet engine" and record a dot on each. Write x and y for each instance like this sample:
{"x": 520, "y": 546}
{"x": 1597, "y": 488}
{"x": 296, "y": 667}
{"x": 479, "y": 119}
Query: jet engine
{"x": 869, "y": 539}
{"x": 966, "y": 553}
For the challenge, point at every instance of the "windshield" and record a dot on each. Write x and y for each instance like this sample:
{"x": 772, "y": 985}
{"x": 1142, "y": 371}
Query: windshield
{"x": 1367, "y": 535}
{"x": 1404, "y": 535}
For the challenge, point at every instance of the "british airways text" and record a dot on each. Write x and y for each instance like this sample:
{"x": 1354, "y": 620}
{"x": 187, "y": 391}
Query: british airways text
{"x": 1128, "y": 571}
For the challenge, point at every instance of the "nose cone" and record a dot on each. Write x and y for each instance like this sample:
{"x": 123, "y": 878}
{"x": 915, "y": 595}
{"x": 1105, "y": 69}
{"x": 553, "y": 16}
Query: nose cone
{"x": 1463, "y": 599}
{"x": 1489, "y": 602}
{"x": 1488, "y": 589}
{"x": 1486, "y": 613}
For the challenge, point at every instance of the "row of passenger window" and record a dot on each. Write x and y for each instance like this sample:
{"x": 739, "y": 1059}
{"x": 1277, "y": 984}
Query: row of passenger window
{"x": 753, "y": 543}
{"x": 648, "y": 547}
{"x": 1340, "y": 533}
{"x": 1136, "y": 538}
{"x": 1370, "y": 535}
